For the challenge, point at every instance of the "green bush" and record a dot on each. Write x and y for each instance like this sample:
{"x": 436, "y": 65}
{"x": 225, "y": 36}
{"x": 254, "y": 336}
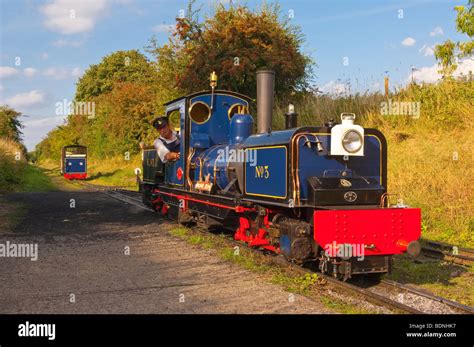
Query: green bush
{"x": 11, "y": 172}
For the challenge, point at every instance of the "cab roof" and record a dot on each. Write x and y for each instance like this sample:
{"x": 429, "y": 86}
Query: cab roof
{"x": 204, "y": 92}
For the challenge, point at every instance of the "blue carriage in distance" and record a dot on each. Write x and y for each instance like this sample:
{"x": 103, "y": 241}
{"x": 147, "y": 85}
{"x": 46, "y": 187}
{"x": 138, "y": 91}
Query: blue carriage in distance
{"x": 74, "y": 162}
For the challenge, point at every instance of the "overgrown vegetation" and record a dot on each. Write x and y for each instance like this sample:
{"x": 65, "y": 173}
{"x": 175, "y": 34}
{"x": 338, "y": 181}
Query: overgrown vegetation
{"x": 11, "y": 164}
{"x": 234, "y": 42}
{"x": 15, "y": 172}
{"x": 116, "y": 68}
{"x": 10, "y": 126}
{"x": 122, "y": 112}
{"x": 442, "y": 278}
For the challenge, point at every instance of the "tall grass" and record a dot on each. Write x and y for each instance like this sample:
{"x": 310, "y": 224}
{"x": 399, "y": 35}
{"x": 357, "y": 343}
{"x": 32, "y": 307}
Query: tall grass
{"x": 15, "y": 172}
{"x": 114, "y": 171}
{"x": 315, "y": 110}
{"x": 12, "y": 164}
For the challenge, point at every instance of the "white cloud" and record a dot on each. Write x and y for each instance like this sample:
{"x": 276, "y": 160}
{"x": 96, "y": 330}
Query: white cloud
{"x": 335, "y": 88}
{"x": 162, "y": 28}
{"x": 429, "y": 74}
{"x": 427, "y": 50}
{"x": 62, "y": 73}
{"x": 64, "y": 43}
{"x": 76, "y": 72}
{"x": 409, "y": 41}
{"x": 72, "y": 16}
{"x": 437, "y": 31}
{"x": 26, "y": 100}
{"x": 7, "y": 71}
{"x": 36, "y": 129}
{"x": 29, "y": 72}
{"x": 464, "y": 67}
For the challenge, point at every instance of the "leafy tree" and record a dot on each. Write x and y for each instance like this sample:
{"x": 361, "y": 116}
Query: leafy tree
{"x": 120, "y": 66}
{"x": 171, "y": 58}
{"x": 235, "y": 42}
{"x": 448, "y": 52}
{"x": 10, "y": 125}
{"x": 50, "y": 146}
{"x": 123, "y": 120}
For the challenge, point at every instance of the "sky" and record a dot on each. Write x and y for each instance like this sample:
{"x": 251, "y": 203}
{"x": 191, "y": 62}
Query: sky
{"x": 45, "y": 46}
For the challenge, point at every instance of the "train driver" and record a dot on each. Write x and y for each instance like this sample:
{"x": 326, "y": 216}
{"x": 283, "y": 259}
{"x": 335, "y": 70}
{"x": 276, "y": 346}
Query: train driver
{"x": 167, "y": 145}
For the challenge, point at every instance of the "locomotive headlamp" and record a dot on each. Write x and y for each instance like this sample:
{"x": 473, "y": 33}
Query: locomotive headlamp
{"x": 352, "y": 141}
{"x": 347, "y": 138}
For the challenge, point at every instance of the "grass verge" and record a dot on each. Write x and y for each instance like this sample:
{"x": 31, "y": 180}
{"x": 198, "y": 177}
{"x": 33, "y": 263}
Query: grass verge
{"x": 451, "y": 281}
{"x": 36, "y": 180}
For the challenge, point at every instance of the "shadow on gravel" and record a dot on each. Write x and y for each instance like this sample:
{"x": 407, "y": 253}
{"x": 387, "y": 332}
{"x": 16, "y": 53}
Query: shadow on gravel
{"x": 77, "y": 213}
{"x": 101, "y": 175}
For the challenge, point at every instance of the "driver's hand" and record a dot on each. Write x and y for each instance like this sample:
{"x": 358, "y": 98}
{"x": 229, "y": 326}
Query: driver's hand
{"x": 176, "y": 156}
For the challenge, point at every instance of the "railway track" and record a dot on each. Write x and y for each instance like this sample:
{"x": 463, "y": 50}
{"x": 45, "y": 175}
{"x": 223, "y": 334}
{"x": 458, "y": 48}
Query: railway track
{"x": 132, "y": 199}
{"x": 118, "y": 193}
{"x": 387, "y": 293}
{"x": 455, "y": 254}
{"x": 429, "y": 301}
{"x": 392, "y": 295}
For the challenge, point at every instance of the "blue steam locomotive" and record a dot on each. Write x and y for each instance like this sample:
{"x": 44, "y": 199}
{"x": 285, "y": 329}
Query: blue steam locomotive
{"x": 310, "y": 193}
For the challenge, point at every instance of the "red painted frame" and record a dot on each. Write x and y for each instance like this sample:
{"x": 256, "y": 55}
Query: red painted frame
{"x": 381, "y": 231}
{"x": 75, "y": 176}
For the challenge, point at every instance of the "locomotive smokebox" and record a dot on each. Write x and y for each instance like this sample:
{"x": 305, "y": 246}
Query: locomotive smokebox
{"x": 265, "y": 91}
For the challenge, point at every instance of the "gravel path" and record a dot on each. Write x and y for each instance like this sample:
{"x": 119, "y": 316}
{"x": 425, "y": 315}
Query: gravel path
{"x": 104, "y": 256}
